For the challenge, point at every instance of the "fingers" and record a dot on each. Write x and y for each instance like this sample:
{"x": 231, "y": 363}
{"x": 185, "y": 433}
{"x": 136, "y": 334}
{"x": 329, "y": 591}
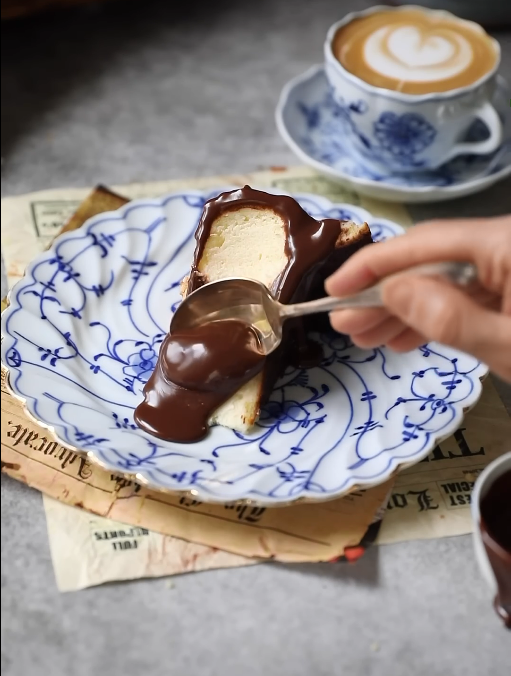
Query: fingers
{"x": 386, "y": 331}
{"x": 420, "y": 309}
{"x": 355, "y": 321}
{"x": 359, "y": 320}
{"x": 408, "y": 340}
{"x": 372, "y": 327}
{"x": 431, "y": 242}
{"x": 445, "y": 314}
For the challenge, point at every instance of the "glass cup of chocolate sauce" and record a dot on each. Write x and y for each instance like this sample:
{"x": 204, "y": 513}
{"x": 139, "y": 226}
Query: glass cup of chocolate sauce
{"x": 491, "y": 512}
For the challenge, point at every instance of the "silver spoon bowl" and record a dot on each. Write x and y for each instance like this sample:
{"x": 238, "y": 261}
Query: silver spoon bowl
{"x": 251, "y": 302}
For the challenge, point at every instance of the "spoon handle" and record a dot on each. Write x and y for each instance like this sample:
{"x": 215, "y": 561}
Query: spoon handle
{"x": 461, "y": 274}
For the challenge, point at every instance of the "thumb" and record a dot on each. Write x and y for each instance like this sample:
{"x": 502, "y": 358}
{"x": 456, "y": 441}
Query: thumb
{"x": 445, "y": 314}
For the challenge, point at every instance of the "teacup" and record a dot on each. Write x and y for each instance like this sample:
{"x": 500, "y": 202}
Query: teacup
{"x": 493, "y": 558}
{"x": 419, "y": 130}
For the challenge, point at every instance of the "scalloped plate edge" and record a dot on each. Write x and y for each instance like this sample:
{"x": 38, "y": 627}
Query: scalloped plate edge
{"x": 139, "y": 477}
{"x": 195, "y": 493}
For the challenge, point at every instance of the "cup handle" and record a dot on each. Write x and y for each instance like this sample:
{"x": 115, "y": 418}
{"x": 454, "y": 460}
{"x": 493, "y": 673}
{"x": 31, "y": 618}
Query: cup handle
{"x": 490, "y": 117}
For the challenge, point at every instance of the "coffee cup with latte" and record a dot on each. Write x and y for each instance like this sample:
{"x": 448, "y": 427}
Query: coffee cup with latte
{"x": 409, "y": 84}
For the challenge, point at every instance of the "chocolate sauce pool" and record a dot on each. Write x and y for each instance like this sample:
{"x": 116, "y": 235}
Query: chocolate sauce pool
{"x": 496, "y": 533}
{"x": 197, "y": 371}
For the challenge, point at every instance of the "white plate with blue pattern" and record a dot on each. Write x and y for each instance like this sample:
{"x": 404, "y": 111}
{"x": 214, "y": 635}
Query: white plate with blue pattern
{"x": 312, "y": 124}
{"x": 81, "y": 337}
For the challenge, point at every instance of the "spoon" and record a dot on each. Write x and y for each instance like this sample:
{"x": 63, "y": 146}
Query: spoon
{"x": 251, "y": 302}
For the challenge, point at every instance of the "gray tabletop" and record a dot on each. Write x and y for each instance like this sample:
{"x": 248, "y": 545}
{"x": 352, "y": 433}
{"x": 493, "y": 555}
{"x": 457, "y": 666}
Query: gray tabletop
{"x": 142, "y": 91}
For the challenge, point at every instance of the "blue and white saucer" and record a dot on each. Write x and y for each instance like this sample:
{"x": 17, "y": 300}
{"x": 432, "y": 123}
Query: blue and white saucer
{"x": 308, "y": 121}
{"x": 81, "y": 337}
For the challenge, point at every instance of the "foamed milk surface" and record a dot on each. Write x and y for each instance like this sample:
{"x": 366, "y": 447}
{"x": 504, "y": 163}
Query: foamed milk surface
{"x": 404, "y": 53}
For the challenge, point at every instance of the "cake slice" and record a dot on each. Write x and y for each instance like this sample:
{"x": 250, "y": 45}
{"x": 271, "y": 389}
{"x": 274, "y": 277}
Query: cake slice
{"x": 270, "y": 238}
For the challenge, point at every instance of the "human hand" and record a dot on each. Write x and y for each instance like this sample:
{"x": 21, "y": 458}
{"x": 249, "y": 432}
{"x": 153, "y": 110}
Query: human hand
{"x": 419, "y": 309}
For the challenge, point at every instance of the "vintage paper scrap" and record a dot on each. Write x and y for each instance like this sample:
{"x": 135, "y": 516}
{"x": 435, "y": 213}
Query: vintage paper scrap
{"x": 88, "y": 550}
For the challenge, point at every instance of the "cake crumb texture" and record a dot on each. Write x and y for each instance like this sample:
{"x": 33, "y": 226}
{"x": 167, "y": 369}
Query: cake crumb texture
{"x": 247, "y": 242}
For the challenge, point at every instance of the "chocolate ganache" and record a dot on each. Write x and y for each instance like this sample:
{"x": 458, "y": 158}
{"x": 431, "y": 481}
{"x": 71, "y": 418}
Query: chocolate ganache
{"x": 218, "y": 360}
{"x": 197, "y": 371}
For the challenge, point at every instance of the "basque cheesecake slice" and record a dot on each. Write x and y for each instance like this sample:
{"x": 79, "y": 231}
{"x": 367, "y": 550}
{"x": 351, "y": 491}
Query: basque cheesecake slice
{"x": 270, "y": 238}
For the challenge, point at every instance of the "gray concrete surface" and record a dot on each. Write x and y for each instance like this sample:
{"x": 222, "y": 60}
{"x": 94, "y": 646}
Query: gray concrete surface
{"x": 144, "y": 91}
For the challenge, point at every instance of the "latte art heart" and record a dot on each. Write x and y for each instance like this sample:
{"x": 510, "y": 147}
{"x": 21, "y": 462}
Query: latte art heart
{"x": 405, "y": 53}
{"x": 415, "y": 51}
{"x": 410, "y": 46}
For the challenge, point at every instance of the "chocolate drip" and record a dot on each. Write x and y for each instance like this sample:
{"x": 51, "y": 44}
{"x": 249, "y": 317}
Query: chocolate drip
{"x": 314, "y": 249}
{"x": 197, "y": 371}
{"x": 496, "y": 534}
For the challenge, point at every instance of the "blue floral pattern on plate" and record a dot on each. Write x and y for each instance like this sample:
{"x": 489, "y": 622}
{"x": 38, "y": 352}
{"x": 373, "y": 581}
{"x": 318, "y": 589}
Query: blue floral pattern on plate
{"x": 312, "y": 123}
{"x": 83, "y": 330}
